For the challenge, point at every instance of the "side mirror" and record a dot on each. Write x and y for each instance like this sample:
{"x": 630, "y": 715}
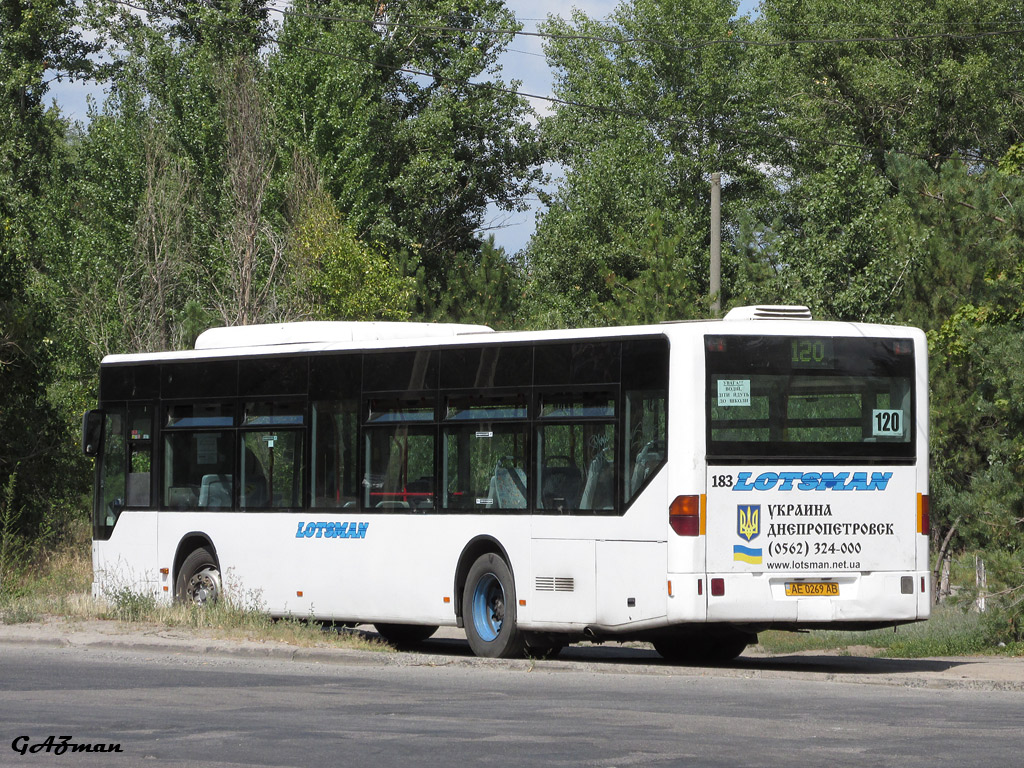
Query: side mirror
{"x": 92, "y": 432}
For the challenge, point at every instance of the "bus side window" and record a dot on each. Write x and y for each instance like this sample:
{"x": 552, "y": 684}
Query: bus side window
{"x": 646, "y": 434}
{"x": 399, "y": 468}
{"x": 485, "y": 467}
{"x": 195, "y": 462}
{"x": 484, "y": 444}
{"x": 576, "y": 452}
{"x": 335, "y": 458}
{"x": 110, "y": 488}
{"x": 272, "y": 451}
{"x": 140, "y": 455}
{"x": 197, "y": 456}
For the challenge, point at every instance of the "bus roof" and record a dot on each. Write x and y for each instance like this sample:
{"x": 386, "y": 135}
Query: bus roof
{"x": 312, "y": 332}
{"x": 327, "y": 336}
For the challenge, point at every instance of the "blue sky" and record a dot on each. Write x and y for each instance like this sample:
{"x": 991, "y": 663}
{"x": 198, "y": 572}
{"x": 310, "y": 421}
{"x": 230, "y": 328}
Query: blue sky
{"x": 524, "y": 61}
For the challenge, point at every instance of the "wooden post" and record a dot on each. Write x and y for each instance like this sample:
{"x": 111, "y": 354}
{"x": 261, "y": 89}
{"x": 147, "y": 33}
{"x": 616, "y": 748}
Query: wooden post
{"x": 716, "y": 244}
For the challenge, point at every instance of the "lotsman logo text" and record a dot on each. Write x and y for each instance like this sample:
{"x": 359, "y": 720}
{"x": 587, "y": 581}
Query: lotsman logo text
{"x": 812, "y": 481}
{"x": 332, "y": 530}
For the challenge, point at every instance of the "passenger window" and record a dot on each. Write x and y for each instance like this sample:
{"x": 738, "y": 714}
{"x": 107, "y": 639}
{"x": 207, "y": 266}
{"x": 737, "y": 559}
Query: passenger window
{"x": 576, "y": 453}
{"x": 335, "y": 461}
{"x": 646, "y": 427}
{"x": 272, "y": 451}
{"x": 271, "y": 469}
{"x": 485, "y": 467}
{"x": 400, "y": 453}
{"x": 399, "y": 467}
{"x": 198, "y": 469}
{"x": 140, "y": 455}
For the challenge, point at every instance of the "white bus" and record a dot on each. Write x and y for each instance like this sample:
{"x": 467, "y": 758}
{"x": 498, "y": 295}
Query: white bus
{"x": 689, "y": 484}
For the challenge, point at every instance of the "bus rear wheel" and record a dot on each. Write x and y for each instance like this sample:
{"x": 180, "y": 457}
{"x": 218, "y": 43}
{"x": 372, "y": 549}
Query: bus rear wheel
{"x": 489, "y": 610}
{"x": 198, "y": 580}
{"x": 537, "y": 648}
{"x": 704, "y": 649}
{"x": 405, "y": 635}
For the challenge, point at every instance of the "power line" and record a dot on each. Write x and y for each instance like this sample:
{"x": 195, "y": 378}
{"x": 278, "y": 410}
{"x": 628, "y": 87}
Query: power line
{"x": 614, "y": 111}
{"x": 636, "y": 114}
{"x": 699, "y": 45}
{"x": 661, "y": 43}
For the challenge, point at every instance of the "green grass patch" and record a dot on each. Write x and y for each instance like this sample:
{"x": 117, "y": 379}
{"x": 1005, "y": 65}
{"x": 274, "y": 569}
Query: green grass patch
{"x": 950, "y": 631}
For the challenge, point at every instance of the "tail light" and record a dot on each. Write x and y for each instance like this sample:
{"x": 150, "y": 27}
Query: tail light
{"x": 684, "y": 515}
{"x": 924, "y": 525}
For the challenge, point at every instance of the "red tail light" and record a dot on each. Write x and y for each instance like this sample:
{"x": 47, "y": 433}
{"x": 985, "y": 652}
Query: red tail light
{"x": 924, "y": 525}
{"x": 684, "y": 515}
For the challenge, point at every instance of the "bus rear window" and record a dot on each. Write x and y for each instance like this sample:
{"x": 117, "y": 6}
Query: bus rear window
{"x": 802, "y": 396}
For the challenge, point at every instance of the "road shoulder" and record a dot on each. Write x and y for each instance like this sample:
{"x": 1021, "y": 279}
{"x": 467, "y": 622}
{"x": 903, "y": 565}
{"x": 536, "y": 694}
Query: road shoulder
{"x": 449, "y": 649}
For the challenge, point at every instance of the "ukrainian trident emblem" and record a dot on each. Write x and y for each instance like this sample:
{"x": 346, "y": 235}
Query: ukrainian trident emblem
{"x": 748, "y": 521}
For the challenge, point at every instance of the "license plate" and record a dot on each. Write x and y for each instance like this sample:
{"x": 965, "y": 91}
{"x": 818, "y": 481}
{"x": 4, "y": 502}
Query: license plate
{"x": 812, "y": 589}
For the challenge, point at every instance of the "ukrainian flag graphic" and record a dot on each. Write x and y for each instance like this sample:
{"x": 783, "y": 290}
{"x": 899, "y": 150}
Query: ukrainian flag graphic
{"x": 746, "y": 554}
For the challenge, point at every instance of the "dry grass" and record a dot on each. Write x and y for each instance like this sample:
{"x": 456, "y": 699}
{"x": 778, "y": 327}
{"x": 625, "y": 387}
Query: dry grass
{"x": 58, "y": 585}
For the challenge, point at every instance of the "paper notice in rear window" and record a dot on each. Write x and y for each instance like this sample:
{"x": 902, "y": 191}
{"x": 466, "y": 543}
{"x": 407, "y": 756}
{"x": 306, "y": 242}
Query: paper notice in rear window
{"x": 734, "y": 392}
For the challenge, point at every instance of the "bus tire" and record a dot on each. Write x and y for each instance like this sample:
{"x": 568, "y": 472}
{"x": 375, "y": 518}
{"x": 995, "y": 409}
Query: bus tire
{"x": 541, "y": 649}
{"x": 704, "y": 649}
{"x": 489, "y": 610}
{"x": 405, "y": 635}
{"x": 198, "y": 580}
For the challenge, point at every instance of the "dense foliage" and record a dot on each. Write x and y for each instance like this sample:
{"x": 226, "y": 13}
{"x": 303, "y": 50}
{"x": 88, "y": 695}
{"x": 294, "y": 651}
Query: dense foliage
{"x": 337, "y": 161}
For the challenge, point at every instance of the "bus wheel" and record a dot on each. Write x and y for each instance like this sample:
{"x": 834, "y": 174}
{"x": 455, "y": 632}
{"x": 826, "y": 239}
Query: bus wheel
{"x": 489, "y": 610}
{"x": 404, "y": 635}
{"x": 543, "y": 649}
{"x": 199, "y": 579}
{"x": 704, "y": 649}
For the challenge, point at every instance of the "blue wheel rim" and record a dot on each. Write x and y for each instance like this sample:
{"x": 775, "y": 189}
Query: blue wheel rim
{"x": 488, "y": 608}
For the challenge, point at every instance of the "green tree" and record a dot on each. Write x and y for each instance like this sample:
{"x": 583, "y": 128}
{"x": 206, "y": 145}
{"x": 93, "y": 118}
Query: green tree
{"x": 486, "y": 289}
{"x": 37, "y": 42}
{"x": 339, "y": 278}
{"x": 967, "y": 289}
{"x": 644, "y": 120}
{"x": 411, "y": 127}
{"x": 669, "y": 285}
{"x": 183, "y": 215}
{"x": 856, "y": 87}
{"x": 646, "y": 117}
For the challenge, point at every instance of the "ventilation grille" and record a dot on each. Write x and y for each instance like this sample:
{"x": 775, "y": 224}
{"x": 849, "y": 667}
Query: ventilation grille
{"x": 555, "y": 584}
{"x": 769, "y": 312}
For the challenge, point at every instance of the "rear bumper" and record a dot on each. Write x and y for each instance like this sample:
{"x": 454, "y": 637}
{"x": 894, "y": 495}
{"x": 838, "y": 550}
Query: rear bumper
{"x": 878, "y": 598}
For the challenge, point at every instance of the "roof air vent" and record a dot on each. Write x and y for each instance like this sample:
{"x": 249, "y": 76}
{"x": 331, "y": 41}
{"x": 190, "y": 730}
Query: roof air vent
{"x": 769, "y": 312}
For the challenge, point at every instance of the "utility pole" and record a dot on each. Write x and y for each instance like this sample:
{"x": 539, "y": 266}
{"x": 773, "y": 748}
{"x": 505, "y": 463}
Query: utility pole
{"x": 716, "y": 244}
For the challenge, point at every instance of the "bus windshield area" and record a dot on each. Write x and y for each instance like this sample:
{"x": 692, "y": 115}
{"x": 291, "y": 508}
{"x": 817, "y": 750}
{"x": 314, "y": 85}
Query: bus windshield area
{"x": 797, "y": 397}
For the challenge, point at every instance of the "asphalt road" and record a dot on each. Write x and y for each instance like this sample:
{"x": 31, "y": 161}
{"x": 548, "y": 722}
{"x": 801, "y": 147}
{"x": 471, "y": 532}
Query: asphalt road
{"x": 168, "y": 707}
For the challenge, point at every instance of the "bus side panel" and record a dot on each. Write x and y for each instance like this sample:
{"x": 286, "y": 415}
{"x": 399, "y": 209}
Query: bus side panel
{"x": 128, "y": 560}
{"x": 924, "y": 606}
{"x": 631, "y": 583}
{"x": 685, "y": 476}
{"x": 561, "y": 589}
{"x": 352, "y": 567}
{"x": 606, "y": 556}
